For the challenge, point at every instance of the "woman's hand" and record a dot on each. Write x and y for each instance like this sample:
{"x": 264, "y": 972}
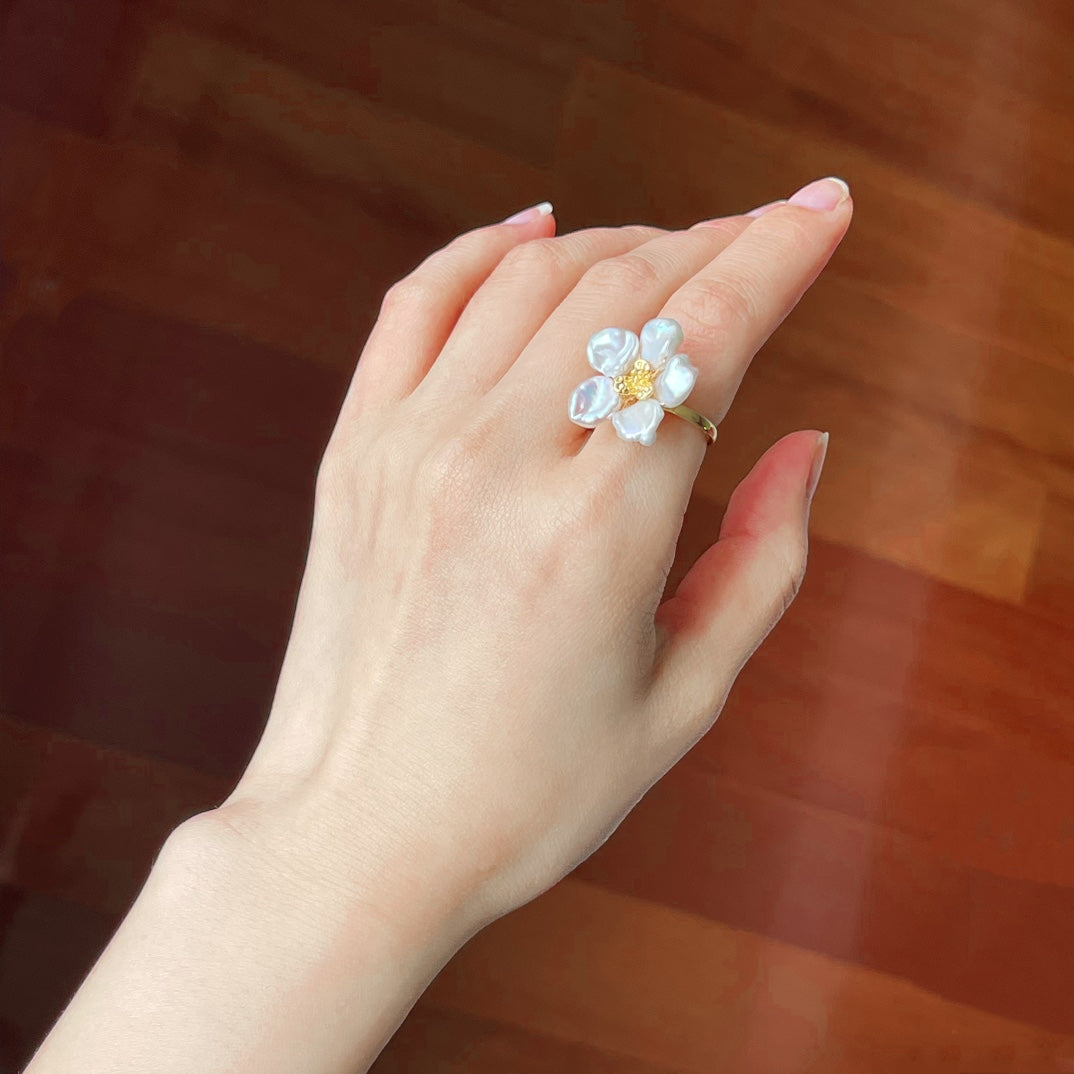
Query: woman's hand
{"x": 481, "y": 679}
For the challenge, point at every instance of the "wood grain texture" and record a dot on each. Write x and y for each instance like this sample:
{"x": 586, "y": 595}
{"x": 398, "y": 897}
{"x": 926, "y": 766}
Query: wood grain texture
{"x": 696, "y": 995}
{"x": 866, "y": 865}
{"x": 231, "y": 251}
{"x": 145, "y": 513}
{"x": 1050, "y": 587}
{"x": 452, "y": 1041}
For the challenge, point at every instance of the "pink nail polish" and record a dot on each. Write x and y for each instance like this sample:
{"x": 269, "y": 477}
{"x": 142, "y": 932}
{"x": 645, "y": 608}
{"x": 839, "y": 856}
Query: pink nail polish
{"x": 820, "y": 452}
{"x": 822, "y": 195}
{"x": 533, "y": 213}
{"x": 762, "y": 209}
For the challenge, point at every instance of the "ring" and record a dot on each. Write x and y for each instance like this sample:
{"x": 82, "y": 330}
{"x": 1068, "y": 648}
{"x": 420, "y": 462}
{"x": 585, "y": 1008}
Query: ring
{"x": 637, "y": 390}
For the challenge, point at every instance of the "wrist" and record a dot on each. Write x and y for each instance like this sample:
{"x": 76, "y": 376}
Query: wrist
{"x": 383, "y": 834}
{"x": 307, "y": 884}
{"x": 334, "y": 914}
{"x": 246, "y": 951}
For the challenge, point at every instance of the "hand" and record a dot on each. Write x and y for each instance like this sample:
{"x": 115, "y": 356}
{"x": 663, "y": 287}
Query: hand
{"x": 481, "y": 680}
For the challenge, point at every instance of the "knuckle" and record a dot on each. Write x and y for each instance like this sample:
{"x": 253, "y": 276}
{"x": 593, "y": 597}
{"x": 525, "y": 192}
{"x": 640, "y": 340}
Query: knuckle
{"x": 630, "y": 272}
{"x": 445, "y": 464}
{"x": 450, "y": 472}
{"x": 534, "y": 260}
{"x": 470, "y": 248}
{"x": 469, "y": 244}
{"x": 713, "y": 308}
{"x": 724, "y": 228}
{"x": 407, "y": 295}
{"x": 593, "y": 245}
{"x": 635, "y": 233}
{"x": 422, "y": 284}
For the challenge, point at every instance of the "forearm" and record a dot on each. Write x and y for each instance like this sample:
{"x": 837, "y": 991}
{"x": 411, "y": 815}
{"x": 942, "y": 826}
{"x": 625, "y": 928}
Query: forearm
{"x": 225, "y": 964}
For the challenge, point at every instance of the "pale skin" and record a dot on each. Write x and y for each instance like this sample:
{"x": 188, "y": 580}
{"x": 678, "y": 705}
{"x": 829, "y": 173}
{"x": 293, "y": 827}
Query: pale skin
{"x": 481, "y": 680}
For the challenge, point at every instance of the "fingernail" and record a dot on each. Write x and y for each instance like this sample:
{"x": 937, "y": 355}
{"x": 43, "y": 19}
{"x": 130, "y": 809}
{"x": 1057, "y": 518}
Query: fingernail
{"x": 822, "y": 195}
{"x": 819, "y": 453}
{"x": 526, "y": 215}
{"x": 762, "y": 209}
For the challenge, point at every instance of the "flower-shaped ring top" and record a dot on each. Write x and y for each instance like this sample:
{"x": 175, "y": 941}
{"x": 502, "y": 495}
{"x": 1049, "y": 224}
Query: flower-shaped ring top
{"x": 634, "y": 390}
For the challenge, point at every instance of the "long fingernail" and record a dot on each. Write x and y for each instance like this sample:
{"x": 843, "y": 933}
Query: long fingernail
{"x": 762, "y": 209}
{"x": 822, "y": 195}
{"x": 526, "y": 215}
{"x": 820, "y": 452}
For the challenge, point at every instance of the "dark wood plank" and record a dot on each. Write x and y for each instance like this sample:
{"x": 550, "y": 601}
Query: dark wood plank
{"x": 47, "y": 946}
{"x": 84, "y": 823}
{"x": 147, "y": 510}
{"x": 68, "y": 62}
{"x": 373, "y": 48}
{"x": 974, "y": 97}
{"x": 435, "y": 1041}
{"x": 300, "y": 273}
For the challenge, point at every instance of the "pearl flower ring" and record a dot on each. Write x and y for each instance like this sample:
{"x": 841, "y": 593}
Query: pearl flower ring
{"x": 636, "y": 389}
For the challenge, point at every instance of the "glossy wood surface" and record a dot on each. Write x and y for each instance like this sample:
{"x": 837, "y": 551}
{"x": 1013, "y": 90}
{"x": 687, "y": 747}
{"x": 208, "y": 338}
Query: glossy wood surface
{"x": 868, "y": 864}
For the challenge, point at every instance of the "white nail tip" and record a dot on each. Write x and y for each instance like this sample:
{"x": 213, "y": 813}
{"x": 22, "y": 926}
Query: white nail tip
{"x": 612, "y": 350}
{"x": 660, "y": 338}
{"x": 592, "y": 401}
{"x": 676, "y": 380}
{"x": 639, "y": 421}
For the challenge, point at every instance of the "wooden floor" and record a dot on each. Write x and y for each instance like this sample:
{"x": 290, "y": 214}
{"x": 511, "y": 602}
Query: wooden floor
{"x": 868, "y": 865}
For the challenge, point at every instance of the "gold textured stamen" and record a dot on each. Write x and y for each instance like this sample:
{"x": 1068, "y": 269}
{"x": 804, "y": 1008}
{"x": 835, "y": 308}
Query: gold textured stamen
{"x": 638, "y": 383}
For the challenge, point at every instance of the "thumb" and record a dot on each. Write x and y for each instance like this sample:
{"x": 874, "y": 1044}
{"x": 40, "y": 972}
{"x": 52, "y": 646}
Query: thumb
{"x": 740, "y": 587}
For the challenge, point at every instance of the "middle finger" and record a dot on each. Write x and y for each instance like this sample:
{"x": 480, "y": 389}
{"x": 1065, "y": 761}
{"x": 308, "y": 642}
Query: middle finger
{"x": 623, "y": 290}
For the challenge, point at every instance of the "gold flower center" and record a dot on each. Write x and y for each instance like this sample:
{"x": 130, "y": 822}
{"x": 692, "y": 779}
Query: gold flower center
{"x": 637, "y": 383}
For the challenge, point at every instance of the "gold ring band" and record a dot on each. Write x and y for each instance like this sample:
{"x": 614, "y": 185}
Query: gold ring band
{"x": 703, "y": 423}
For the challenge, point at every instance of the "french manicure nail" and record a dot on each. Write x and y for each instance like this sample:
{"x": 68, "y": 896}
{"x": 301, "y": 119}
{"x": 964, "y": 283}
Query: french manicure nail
{"x": 533, "y": 213}
{"x": 820, "y": 451}
{"x": 822, "y": 195}
{"x": 762, "y": 209}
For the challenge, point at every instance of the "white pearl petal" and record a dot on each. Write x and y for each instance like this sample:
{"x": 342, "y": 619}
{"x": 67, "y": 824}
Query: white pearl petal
{"x": 676, "y": 380}
{"x": 660, "y": 338}
{"x": 612, "y": 350}
{"x": 639, "y": 421}
{"x": 592, "y": 401}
